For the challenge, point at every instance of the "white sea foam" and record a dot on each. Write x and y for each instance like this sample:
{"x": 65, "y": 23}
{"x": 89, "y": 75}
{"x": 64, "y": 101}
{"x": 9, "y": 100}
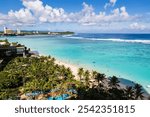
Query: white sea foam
{"x": 148, "y": 86}
{"x": 72, "y": 37}
{"x": 112, "y": 39}
{"x": 69, "y": 35}
{"x": 128, "y": 41}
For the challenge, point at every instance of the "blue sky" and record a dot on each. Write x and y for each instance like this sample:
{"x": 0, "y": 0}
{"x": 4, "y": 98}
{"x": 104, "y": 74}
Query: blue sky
{"x": 134, "y": 6}
{"x": 76, "y": 15}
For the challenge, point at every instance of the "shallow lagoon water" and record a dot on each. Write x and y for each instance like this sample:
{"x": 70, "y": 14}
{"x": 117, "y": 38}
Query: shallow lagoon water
{"x": 128, "y": 58}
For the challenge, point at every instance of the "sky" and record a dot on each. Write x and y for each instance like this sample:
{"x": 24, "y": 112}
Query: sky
{"x": 95, "y": 16}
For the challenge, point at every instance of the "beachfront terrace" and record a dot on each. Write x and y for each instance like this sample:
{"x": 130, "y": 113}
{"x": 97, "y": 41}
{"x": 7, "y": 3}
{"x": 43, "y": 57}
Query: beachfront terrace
{"x": 11, "y": 49}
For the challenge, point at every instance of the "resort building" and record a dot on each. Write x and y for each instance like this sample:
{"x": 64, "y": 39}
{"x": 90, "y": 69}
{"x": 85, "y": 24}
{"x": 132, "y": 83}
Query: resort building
{"x": 20, "y": 50}
{"x": 18, "y": 31}
{"x": 8, "y": 49}
{"x": 37, "y": 32}
{"x": 5, "y": 30}
{"x": 8, "y": 31}
{"x": 53, "y": 33}
{"x": 11, "y": 32}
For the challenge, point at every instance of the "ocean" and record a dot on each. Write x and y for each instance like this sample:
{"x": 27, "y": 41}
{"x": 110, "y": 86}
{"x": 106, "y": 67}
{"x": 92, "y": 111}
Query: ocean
{"x": 124, "y": 55}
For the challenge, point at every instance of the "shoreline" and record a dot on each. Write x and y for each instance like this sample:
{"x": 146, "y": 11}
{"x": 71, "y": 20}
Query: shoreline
{"x": 74, "y": 68}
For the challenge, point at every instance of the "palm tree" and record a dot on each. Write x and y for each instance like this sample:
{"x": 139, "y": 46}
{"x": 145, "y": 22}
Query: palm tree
{"x": 80, "y": 73}
{"x": 94, "y": 74}
{"x": 67, "y": 74}
{"x": 87, "y": 77}
{"x": 53, "y": 60}
{"x": 100, "y": 78}
{"x": 138, "y": 91}
{"x": 129, "y": 93}
{"x": 49, "y": 56}
{"x": 114, "y": 82}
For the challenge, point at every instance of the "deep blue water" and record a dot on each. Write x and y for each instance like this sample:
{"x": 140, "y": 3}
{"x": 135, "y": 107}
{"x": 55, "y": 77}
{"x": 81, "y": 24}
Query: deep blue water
{"x": 113, "y": 36}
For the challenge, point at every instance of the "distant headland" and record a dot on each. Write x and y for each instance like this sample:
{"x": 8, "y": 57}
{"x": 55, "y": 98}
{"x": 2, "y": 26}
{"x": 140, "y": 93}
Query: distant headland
{"x": 18, "y": 32}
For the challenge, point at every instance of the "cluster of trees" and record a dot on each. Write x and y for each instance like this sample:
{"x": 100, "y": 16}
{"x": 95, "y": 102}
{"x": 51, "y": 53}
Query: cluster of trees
{"x": 104, "y": 88}
{"x": 66, "y": 33}
{"x": 25, "y": 75}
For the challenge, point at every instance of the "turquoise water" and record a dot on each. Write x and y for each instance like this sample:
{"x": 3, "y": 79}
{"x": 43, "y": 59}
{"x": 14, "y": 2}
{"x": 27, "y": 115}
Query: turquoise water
{"x": 62, "y": 97}
{"x": 124, "y": 56}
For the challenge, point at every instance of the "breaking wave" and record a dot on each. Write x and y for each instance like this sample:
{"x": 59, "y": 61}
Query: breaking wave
{"x": 114, "y": 40}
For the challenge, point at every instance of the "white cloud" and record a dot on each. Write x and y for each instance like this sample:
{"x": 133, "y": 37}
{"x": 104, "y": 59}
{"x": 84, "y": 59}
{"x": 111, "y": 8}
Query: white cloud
{"x": 137, "y": 26}
{"x": 23, "y": 15}
{"x": 88, "y": 17}
{"x": 116, "y": 11}
{"x": 45, "y": 13}
{"x": 36, "y": 6}
{"x": 124, "y": 12}
{"x": 17, "y": 18}
{"x": 35, "y": 12}
{"x": 111, "y": 3}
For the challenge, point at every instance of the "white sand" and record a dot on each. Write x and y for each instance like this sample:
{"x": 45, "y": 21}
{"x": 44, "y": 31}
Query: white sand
{"x": 73, "y": 68}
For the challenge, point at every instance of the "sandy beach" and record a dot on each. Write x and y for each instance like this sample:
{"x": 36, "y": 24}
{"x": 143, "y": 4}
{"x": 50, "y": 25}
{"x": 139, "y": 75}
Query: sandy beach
{"x": 73, "y": 68}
